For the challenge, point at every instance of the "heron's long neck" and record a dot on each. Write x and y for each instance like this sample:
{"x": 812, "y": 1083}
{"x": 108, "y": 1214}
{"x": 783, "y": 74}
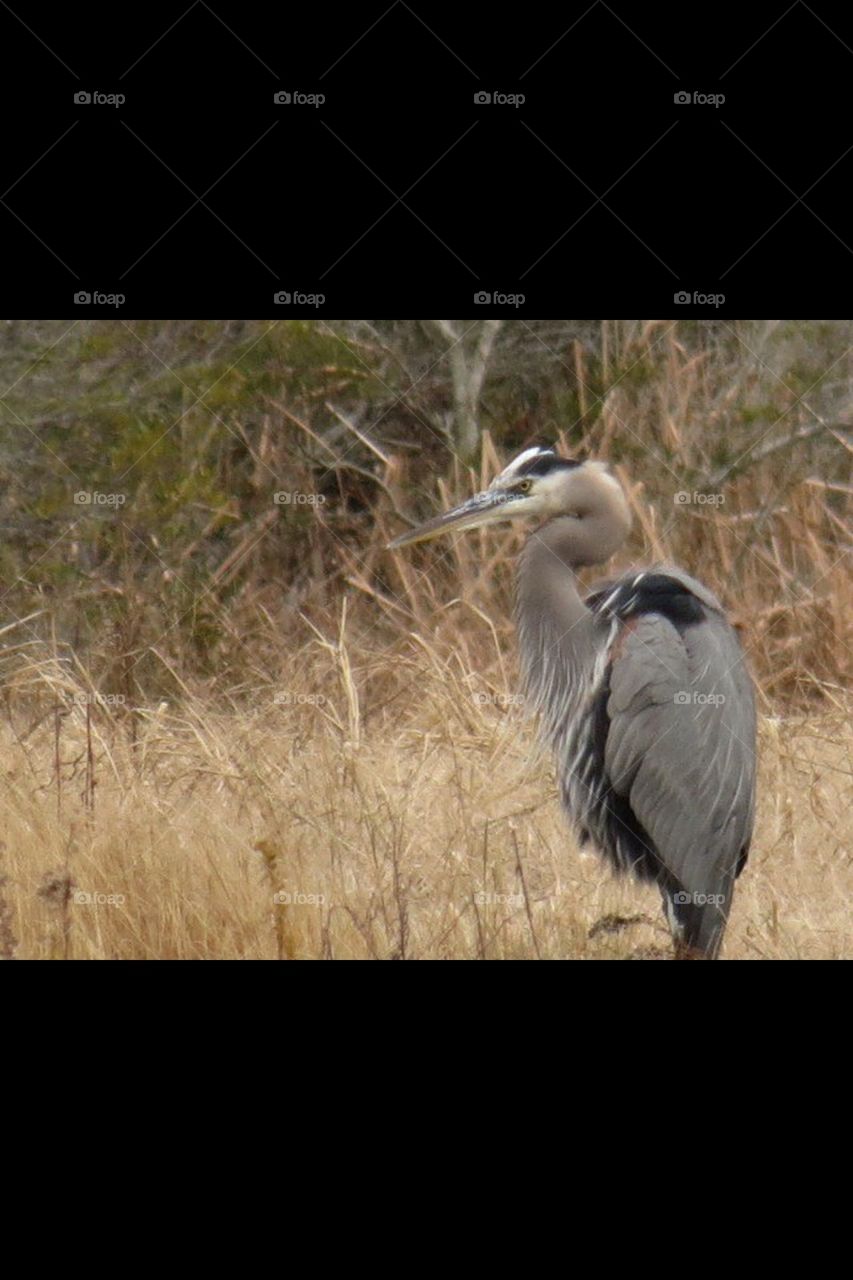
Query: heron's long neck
{"x": 546, "y": 579}
{"x": 554, "y": 625}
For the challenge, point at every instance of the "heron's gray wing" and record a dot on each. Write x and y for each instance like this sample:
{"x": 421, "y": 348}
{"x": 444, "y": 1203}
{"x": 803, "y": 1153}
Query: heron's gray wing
{"x": 681, "y": 743}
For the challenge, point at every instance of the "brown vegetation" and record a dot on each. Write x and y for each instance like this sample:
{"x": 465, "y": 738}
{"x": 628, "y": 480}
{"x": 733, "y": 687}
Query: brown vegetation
{"x": 257, "y": 733}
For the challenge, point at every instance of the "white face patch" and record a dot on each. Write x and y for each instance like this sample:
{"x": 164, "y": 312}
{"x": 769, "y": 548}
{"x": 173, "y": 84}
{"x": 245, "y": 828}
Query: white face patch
{"x": 542, "y": 484}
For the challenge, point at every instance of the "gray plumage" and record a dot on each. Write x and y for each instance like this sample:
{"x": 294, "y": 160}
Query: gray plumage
{"x": 641, "y": 691}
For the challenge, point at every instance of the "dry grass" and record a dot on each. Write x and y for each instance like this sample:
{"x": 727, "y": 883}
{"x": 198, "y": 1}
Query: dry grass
{"x": 393, "y": 796}
{"x": 398, "y": 798}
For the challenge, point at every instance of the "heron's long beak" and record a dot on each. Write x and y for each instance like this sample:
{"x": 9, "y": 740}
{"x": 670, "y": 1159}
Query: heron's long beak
{"x": 483, "y": 508}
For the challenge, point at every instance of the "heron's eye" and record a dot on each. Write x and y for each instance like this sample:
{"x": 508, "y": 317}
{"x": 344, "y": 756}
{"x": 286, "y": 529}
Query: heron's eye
{"x": 524, "y": 486}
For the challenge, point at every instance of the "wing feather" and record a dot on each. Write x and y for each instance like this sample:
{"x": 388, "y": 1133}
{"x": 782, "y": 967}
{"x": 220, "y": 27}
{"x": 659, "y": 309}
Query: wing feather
{"x": 681, "y": 744}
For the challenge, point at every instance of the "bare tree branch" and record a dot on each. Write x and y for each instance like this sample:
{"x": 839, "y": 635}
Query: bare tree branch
{"x": 754, "y": 456}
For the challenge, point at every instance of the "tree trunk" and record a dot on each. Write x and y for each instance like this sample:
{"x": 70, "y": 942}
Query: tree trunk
{"x": 469, "y": 352}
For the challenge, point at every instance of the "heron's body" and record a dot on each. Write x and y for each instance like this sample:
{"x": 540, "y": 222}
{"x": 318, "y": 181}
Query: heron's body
{"x": 637, "y": 685}
{"x": 641, "y": 692}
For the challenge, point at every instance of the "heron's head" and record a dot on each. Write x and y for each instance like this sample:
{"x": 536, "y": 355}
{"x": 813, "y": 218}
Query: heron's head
{"x": 539, "y": 484}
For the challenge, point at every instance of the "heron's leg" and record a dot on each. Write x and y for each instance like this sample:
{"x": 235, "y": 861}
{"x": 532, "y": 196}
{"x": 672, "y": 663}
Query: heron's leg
{"x": 685, "y": 952}
{"x": 697, "y": 927}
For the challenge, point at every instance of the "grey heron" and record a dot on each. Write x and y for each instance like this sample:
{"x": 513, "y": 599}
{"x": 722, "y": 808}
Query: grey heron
{"x": 641, "y": 690}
